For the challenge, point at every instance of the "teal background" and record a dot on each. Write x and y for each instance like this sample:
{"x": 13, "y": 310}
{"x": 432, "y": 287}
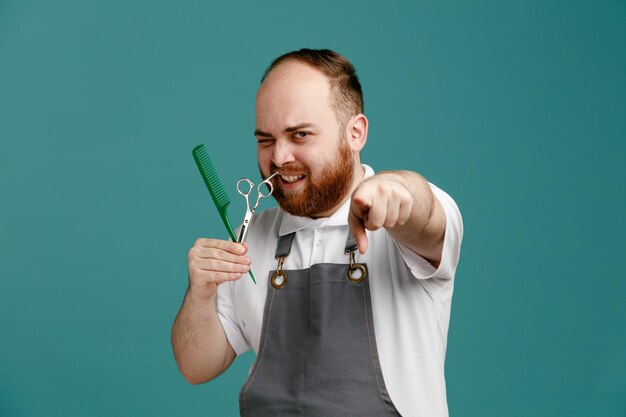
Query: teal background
{"x": 517, "y": 109}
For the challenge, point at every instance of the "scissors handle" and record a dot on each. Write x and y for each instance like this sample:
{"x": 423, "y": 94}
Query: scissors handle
{"x": 246, "y": 190}
{"x": 270, "y": 186}
{"x": 259, "y": 190}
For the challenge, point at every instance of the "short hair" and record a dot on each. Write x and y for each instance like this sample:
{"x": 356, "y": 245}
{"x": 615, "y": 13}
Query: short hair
{"x": 346, "y": 93}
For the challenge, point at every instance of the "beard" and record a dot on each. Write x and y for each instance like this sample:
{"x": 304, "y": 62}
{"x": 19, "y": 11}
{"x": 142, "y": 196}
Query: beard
{"x": 320, "y": 195}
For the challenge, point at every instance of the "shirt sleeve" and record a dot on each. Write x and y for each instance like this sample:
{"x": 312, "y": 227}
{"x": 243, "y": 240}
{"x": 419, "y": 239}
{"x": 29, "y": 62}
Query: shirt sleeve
{"x": 227, "y": 314}
{"x": 419, "y": 266}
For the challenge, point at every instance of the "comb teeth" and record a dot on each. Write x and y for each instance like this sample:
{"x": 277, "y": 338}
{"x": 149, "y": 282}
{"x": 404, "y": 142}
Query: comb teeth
{"x": 211, "y": 177}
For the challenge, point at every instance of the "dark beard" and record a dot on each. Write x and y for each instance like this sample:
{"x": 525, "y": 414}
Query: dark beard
{"x": 320, "y": 194}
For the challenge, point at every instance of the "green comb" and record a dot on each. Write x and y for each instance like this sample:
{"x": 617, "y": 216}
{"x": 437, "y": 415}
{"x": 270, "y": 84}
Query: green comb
{"x": 216, "y": 188}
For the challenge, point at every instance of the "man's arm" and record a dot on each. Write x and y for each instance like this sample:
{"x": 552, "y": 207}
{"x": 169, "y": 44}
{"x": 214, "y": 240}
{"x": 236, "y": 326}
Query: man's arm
{"x": 201, "y": 348}
{"x": 403, "y": 203}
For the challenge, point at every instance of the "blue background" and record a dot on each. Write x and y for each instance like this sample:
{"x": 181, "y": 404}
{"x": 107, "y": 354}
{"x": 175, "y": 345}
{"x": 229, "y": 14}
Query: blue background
{"x": 517, "y": 109}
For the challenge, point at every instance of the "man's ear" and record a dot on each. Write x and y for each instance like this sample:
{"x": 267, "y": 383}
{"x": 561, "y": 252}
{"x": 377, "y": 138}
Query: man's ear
{"x": 357, "y": 132}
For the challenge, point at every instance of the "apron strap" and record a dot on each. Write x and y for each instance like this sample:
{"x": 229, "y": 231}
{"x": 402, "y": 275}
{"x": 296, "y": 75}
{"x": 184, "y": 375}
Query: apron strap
{"x": 284, "y": 245}
{"x": 351, "y": 245}
{"x": 357, "y": 272}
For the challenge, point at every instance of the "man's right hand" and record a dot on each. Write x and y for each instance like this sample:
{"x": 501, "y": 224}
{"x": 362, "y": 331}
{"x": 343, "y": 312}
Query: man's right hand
{"x": 201, "y": 348}
{"x": 212, "y": 262}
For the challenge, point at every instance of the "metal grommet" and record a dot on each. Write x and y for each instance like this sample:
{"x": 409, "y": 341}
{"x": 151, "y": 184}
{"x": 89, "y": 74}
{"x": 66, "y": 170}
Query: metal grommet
{"x": 279, "y": 279}
{"x": 359, "y": 277}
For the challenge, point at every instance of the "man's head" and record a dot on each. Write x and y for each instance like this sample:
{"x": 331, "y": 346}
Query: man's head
{"x": 346, "y": 97}
{"x": 310, "y": 129}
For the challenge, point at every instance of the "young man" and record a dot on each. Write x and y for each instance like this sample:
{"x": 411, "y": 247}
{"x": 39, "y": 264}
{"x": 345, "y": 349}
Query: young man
{"x": 338, "y": 331}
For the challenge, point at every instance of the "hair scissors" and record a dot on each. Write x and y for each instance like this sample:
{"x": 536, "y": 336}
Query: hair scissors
{"x": 246, "y": 193}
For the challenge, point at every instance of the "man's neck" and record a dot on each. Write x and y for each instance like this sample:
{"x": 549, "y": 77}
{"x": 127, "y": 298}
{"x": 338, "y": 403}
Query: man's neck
{"x": 357, "y": 178}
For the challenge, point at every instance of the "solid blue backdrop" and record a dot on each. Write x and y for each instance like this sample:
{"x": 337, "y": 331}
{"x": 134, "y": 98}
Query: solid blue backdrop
{"x": 516, "y": 109}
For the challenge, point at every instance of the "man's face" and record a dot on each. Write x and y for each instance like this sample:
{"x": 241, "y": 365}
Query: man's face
{"x": 299, "y": 137}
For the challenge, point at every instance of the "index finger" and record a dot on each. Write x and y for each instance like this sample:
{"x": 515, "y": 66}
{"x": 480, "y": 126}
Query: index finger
{"x": 357, "y": 227}
{"x": 226, "y": 245}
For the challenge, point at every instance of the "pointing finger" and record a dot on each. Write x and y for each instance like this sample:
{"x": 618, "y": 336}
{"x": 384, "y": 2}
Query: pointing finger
{"x": 358, "y": 231}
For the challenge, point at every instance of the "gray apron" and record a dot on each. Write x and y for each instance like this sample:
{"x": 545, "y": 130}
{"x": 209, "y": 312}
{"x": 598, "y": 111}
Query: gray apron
{"x": 317, "y": 355}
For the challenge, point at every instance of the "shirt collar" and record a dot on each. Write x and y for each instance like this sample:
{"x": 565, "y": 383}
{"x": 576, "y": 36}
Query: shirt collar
{"x": 291, "y": 223}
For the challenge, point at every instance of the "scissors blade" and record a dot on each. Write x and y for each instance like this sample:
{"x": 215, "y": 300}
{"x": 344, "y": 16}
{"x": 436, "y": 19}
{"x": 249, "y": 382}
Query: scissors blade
{"x": 244, "y": 226}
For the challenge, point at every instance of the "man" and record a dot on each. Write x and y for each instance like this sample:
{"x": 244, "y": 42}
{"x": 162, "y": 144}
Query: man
{"x": 337, "y": 331}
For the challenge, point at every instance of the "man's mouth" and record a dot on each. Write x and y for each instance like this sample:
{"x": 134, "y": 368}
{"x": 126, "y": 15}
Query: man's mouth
{"x": 290, "y": 181}
{"x": 290, "y": 178}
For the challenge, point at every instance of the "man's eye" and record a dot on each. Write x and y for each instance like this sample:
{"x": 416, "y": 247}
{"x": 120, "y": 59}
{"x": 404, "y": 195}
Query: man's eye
{"x": 264, "y": 142}
{"x": 302, "y": 134}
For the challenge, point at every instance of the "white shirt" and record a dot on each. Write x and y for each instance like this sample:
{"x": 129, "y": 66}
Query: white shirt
{"x": 410, "y": 298}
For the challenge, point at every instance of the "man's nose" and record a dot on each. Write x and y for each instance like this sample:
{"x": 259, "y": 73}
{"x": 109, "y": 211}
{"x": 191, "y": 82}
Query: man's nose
{"x": 283, "y": 153}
